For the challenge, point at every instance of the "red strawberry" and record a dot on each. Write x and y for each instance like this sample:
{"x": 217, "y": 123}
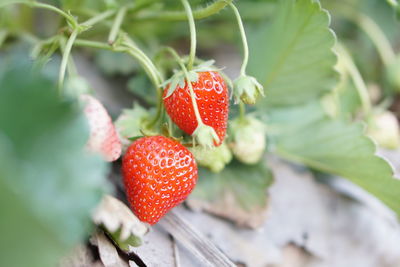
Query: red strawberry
{"x": 103, "y": 137}
{"x": 212, "y": 101}
{"x": 159, "y": 173}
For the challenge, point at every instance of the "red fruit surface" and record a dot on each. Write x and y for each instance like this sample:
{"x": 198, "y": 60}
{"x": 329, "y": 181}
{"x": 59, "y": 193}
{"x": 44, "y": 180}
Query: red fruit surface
{"x": 103, "y": 137}
{"x": 212, "y": 100}
{"x": 159, "y": 173}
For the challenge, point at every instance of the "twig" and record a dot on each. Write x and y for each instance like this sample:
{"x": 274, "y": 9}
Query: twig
{"x": 195, "y": 242}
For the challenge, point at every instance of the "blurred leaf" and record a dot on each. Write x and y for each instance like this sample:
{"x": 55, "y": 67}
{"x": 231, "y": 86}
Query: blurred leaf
{"x": 238, "y": 193}
{"x": 21, "y": 230}
{"x": 52, "y": 183}
{"x": 292, "y": 56}
{"x": 112, "y": 63}
{"x": 120, "y": 223}
{"x": 304, "y": 134}
{"x": 141, "y": 86}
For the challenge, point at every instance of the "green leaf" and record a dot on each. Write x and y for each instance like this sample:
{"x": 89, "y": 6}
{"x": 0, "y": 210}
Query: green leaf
{"x": 52, "y": 183}
{"x": 238, "y": 192}
{"x": 141, "y": 86}
{"x": 112, "y": 63}
{"x": 305, "y": 135}
{"x": 130, "y": 124}
{"x": 21, "y": 230}
{"x": 292, "y": 55}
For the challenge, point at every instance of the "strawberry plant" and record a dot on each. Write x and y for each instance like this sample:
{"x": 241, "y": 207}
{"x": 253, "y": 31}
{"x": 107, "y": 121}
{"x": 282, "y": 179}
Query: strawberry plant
{"x": 317, "y": 87}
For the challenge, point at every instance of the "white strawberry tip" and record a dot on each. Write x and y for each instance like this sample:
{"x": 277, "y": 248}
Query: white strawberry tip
{"x": 206, "y": 136}
{"x": 103, "y": 138}
{"x": 248, "y": 139}
{"x": 247, "y": 89}
{"x": 214, "y": 159}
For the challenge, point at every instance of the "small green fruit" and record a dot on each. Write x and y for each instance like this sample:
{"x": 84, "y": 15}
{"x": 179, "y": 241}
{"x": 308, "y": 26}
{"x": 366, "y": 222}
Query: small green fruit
{"x": 247, "y": 89}
{"x": 384, "y": 130}
{"x": 248, "y": 139}
{"x": 214, "y": 158}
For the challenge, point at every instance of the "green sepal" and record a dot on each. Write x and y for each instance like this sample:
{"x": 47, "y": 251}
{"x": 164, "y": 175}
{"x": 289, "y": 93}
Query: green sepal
{"x": 206, "y": 136}
{"x": 214, "y": 159}
{"x": 179, "y": 77}
{"x": 247, "y": 89}
{"x": 134, "y": 138}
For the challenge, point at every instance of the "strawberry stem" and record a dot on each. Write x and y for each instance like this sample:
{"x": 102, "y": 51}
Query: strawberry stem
{"x": 71, "y": 20}
{"x": 117, "y": 24}
{"x": 205, "y": 132}
{"x": 192, "y": 94}
{"x": 65, "y": 57}
{"x": 71, "y": 67}
{"x": 242, "y": 111}
{"x": 356, "y": 77}
{"x": 192, "y": 28}
{"x": 374, "y": 32}
{"x": 201, "y": 13}
{"x": 99, "y": 18}
{"x": 244, "y": 39}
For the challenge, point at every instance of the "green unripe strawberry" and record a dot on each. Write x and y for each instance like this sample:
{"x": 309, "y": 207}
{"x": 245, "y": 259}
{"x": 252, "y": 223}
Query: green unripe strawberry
{"x": 248, "y": 139}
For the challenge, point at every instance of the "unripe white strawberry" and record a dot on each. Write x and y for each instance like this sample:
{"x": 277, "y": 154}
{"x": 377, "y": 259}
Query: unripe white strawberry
{"x": 103, "y": 136}
{"x": 214, "y": 158}
{"x": 248, "y": 139}
{"x": 383, "y": 128}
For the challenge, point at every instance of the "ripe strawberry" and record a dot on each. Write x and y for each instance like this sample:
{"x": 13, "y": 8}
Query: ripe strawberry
{"x": 103, "y": 137}
{"x": 159, "y": 173}
{"x": 212, "y": 100}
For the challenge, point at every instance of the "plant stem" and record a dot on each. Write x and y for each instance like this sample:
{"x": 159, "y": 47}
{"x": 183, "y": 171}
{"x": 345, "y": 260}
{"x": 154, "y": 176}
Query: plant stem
{"x": 372, "y": 30}
{"x": 67, "y": 16}
{"x": 92, "y": 44}
{"x": 356, "y": 77}
{"x": 244, "y": 40}
{"x": 71, "y": 68}
{"x": 65, "y": 57}
{"x": 146, "y": 62}
{"x": 136, "y": 53}
{"x": 192, "y": 27}
{"x": 98, "y": 18}
{"x": 117, "y": 24}
{"x": 242, "y": 111}
{"x": 192, "y": 94}
{"x": 178, "y": 15}
{"x": 131, "y": 50}
{"x": 378, "y": 38}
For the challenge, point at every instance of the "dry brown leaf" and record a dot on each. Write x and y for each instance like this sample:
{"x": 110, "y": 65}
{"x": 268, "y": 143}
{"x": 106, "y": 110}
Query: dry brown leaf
{"x": 108, "y": 253}
{"x": 120, "y": 222}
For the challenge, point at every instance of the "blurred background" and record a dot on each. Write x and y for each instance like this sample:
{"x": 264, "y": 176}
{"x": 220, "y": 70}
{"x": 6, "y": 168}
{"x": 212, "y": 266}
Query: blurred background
{"x": 286, "y": 211}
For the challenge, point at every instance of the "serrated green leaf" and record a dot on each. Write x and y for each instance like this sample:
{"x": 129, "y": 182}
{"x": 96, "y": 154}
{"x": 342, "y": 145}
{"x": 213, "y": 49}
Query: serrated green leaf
{"x": 305, "y": 135}
{"x": 246, "y": 184}
{"x": 54, "y": 182}
{"x": 292, "y": 56}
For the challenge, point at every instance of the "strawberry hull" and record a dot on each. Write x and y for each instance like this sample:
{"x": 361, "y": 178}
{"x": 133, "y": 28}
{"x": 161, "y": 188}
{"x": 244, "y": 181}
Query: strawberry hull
{"x": 212, "y": 101}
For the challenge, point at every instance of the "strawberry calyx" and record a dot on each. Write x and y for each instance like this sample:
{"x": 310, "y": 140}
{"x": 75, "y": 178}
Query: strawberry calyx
{"x": 214, "y": 159}
{"x": 247, "y": 89}
{"x": 206, "y": 136}
{"x": 178, "y": 80}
